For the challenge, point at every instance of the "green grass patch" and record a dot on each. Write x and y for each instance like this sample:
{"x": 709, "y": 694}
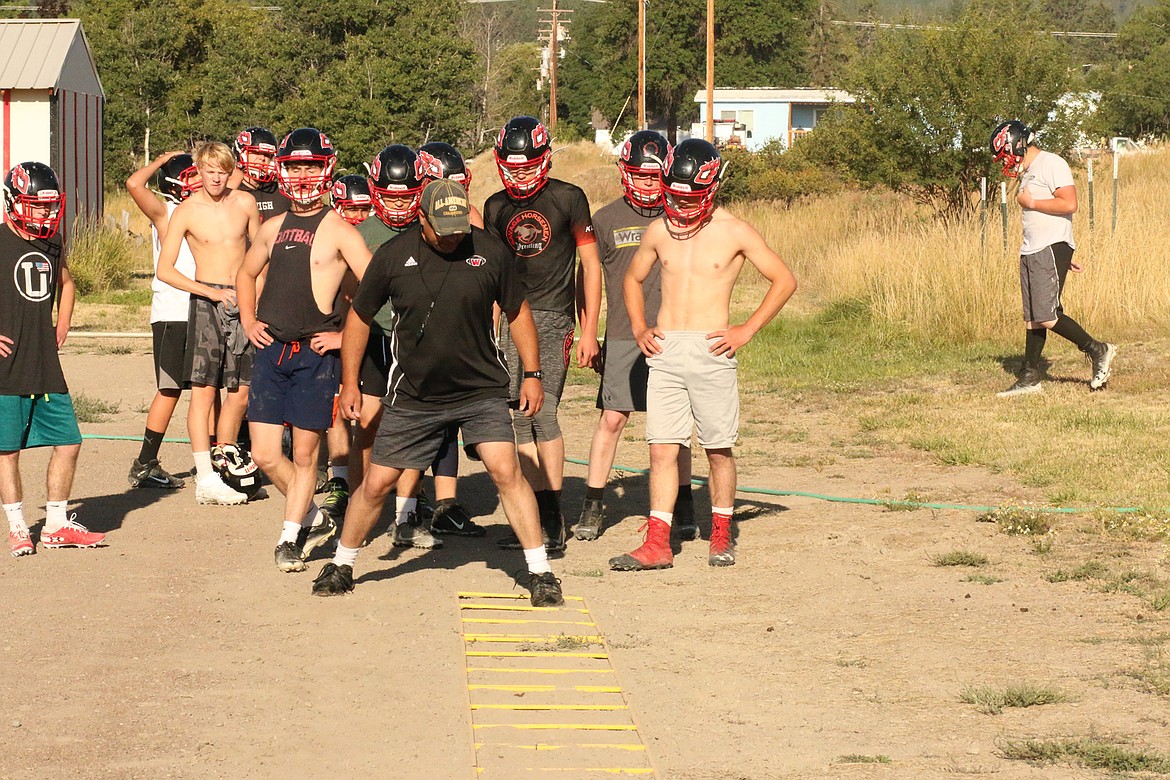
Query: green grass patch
{"x": 92, "y": 410}
{"x": 1146, "y": 525}
{"x": 1089, "y": 570}
{"x": 984, "y": 579}
{"x": 1154, "y": 675}
{"x": 959, "y": 558}
{"x": 136, "y": 298}
{"x": 101, "y": 258}
{"x": 1017, "y": 521}
{"x": 993, "y": 701}
{"x": 1091, "y": 752}
{"x": 858, "y": 758}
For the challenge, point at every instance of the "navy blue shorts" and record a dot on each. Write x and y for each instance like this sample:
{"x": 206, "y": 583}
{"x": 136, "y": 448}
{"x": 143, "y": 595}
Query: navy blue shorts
{"x": 293, "y": 384}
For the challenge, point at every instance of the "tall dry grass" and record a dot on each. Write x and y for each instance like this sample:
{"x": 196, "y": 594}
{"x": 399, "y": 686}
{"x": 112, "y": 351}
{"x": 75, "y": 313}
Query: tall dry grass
{"x": 102, "y": 258}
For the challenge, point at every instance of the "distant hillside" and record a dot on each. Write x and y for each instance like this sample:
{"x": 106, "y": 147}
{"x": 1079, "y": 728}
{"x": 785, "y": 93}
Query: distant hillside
{"x": 927, "y": 10}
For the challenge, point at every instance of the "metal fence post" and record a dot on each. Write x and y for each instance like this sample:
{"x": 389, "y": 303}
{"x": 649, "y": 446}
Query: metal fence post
{"x": 983, "y": 216}
{"x": 1091, "y": 209}
{"x": 1003, "y": 211}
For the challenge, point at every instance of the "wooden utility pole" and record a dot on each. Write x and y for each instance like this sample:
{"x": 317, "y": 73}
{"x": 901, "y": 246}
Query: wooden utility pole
{"x": 554, "y": 44}
{"x": 642, "y": 64}
{"x": 710, "y": 71}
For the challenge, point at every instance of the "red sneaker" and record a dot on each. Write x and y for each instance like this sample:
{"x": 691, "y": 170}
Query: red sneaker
{"x": 655, "y": 552}
{"x": 20, "y": 543}
{"x": 722, "y": 552}
{"x": 72, "y": 535}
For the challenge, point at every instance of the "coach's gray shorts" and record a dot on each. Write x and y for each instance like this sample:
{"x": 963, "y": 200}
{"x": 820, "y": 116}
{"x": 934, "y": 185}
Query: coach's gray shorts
{"x": 1042, "y": 276}
{"x": 691, "y": 387}
{"x": 624, "y": 374}
{"x": 411, "y": 438}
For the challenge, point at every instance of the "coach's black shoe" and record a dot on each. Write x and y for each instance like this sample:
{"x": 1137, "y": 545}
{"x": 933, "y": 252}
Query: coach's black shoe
{"x": 592, "y": 520}
{"x": 684, "y": 528}
{"x": 545, "y": 588}
{"x": 152, "y": 475}
{"x": 1027, "y": 383}
{"x": 452, "y": 519}
{"x": 333, "y": 580}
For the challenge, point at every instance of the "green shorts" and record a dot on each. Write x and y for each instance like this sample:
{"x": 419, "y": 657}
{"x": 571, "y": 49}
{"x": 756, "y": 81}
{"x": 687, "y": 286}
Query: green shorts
{"x": 37, "y": 421}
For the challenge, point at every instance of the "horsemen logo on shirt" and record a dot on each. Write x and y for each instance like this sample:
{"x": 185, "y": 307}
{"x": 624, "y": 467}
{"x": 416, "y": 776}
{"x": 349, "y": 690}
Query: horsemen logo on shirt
{"x": 528, "y": 233}
{"x": 33, "y": 276}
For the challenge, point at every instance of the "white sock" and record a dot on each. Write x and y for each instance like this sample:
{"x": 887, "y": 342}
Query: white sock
{"x": 340, "y": 472}
{"x": 666, "y": 517}
{"x": 719, "y": 510}
{"x": 15, "y": 513}
{"x": 312, "y": 517}
{"x": 55, "y": 517}
{"x": 289, "y": 532}
{"x": 203, "y": 469}
{"x": 345, "y": 556}
{"x": 404, "y": 506}
{"x": 537, "y": 560}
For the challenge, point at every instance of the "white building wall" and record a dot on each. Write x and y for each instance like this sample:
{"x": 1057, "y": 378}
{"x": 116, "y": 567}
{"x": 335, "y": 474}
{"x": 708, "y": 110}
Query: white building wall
{"x": 29, "y": 123}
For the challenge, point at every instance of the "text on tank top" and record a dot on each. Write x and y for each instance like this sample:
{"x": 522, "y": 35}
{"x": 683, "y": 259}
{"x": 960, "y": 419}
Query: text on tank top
{"x": 287, "y": 304}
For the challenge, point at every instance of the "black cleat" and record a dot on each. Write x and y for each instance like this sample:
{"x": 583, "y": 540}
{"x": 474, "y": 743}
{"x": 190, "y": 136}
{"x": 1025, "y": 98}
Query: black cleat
{"x": 591, "y": 522}
{"x": 545, "y": 589}
{"x": 290, "y": 557}
{"x": 450, "y": 518}
{"x": 684, "y": 528}
{"x": 152, "y": 475}
{"x": 333, "y": 580}
{"x": 335, "y": 503}
{"x": 555, "y": 535}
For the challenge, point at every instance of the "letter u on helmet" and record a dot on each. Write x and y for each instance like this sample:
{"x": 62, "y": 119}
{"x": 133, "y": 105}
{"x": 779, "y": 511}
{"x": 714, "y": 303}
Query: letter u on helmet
{"x": 1009, "y": 144}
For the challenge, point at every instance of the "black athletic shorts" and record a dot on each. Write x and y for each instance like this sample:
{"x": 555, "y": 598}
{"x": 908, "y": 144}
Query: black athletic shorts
{"x": 170, "y": 354}
{"x": 411, "y": 438}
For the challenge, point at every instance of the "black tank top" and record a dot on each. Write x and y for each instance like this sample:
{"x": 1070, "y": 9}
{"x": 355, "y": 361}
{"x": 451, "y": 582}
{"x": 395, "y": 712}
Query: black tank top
{"x": 287, "y": 302}
{"x": 28, "y": 289}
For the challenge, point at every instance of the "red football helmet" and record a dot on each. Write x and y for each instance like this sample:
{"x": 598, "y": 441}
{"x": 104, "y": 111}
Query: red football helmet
{"x": 1009, "y": 144}
{"x": 305, "y": 145}
{"x": 255, "y": 149}
{"x": 351, "y": 192}
{"x": 690, "y": 181}
{"x": 396, "y": 173}
{"x": 645, "y": 152}
{"x": 523, "y": 147}
{"x": 33, "y": 200}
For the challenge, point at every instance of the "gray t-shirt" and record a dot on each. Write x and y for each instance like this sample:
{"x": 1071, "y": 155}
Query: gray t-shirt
{"x": 619, "y": 227}
{"x": 1047, "y": 173}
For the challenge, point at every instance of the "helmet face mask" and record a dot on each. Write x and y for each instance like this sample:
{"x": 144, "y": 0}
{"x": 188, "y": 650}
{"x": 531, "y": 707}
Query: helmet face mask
{"x": 396, "y": 185}
{"x": 304, "y": 165}
{"x": 350, "y": 198}
{"x": 33, "y": 200}
{"x": 178, "y": 178}
{"x": 644, "y": 154}
{"x": 440, "y": 160}
{"x": 1009, "y": 144}
{"x": 689, "y": 183}
{"x": 523, "y": 156}
{"x": 255, "y": 149}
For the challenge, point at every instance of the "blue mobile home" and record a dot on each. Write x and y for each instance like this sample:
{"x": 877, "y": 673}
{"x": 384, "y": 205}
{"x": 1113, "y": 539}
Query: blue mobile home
{"x": 759, "y": 115}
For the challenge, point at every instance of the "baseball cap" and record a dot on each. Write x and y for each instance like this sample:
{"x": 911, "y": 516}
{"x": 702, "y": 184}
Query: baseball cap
{"x": 446, "y": 206}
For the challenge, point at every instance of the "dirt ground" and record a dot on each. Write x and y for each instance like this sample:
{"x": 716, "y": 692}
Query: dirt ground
{"x": 179, "y": 651}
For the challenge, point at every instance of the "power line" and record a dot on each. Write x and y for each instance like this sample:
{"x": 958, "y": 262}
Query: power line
{"x": 889, "y": 26}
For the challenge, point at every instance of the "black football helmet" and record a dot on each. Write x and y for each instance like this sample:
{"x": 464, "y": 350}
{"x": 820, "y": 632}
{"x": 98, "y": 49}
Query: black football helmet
{"x": 1009, "y": 144}
{"x": 689, "y": 182}
{"x": 305, "y": 144}
{"x": 396, "y": 172}
{"x": 443, "y": 161}
{"x": 255, "y": 149}
{"x": 645, "y": 152}
{"x": 523, "y": 145}
{"x": 351, "y": 192}
{"x": 178, "y": 178}
{"x": 32, "y": 187}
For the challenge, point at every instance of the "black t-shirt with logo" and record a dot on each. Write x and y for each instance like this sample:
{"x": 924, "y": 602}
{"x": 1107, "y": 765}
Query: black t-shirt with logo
{"x": 29, "y": 272}
{"x": 443, "y": 346}
{"x": 269, "y": 199}
{"x": 544, "y": 232}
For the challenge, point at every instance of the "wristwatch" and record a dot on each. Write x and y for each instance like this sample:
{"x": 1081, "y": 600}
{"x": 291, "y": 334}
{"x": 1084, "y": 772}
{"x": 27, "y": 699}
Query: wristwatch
{"x": 537, "y": 374}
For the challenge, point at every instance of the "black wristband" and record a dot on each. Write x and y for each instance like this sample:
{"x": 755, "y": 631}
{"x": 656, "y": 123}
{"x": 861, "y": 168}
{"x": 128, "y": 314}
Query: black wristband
{"x": 537, "y": 374}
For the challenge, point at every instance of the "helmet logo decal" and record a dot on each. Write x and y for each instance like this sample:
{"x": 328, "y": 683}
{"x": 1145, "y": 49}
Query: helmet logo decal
{"x": 20, "y": 180}
{"x": 707, "y": 172}
{"x": 539, "y": 136}
{"x": 33, "y": 276}
{"x": 528, "y": 233}
{"x": 429, "y": 166}
{"x": 1004, "y": 139}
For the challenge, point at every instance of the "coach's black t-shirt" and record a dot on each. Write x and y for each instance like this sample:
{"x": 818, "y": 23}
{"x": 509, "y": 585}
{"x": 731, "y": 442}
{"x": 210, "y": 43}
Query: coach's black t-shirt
{"x": 544, "y": 232}
{"x": 269, "y": 199}
{"x": 28, "y": 289}
{"x": 443, "y": 346}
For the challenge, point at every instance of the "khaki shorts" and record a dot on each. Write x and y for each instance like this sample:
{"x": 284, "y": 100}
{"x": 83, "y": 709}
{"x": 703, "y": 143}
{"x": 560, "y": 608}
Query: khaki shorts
{"x": 690, "y": 387}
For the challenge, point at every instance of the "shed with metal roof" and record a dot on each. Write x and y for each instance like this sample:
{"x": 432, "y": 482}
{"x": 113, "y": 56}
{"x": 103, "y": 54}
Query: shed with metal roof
{"x": 51, "y": 107}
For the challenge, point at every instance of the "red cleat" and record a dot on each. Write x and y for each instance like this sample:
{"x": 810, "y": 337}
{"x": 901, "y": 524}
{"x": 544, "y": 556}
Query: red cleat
{"x": 72, "y": 535}
{"x": 722, "y": 552}
{"x": 655, "y": 552}
{"x": 20, "y": 543}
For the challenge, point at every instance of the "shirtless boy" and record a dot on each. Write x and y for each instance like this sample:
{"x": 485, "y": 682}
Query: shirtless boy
{"x": 216, "y": 222}
{"x": 700, "y": 250}
{"x": 296, "y": 329}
